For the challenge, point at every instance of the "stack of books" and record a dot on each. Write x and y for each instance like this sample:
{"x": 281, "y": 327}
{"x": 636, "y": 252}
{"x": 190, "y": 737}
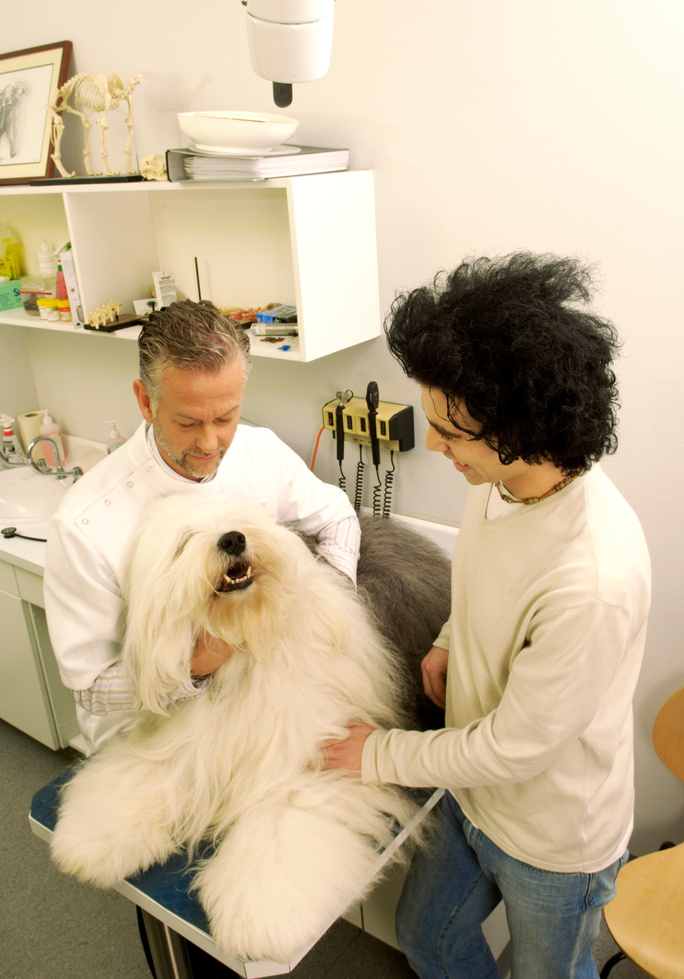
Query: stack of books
{"x": 285, "y": 161}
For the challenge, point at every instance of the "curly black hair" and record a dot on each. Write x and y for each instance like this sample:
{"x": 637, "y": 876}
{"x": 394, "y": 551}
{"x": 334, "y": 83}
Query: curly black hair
{"x": 512, "y": 341}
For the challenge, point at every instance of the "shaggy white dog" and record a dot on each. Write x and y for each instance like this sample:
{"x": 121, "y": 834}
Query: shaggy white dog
{"x": 240, "y": 764}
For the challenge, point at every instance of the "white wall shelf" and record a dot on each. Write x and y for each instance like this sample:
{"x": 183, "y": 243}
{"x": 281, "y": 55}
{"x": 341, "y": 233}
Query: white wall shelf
{"x": 309, "y": 241}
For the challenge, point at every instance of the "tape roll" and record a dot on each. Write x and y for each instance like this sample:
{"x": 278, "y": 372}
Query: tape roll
{"x": 29, "y": 423}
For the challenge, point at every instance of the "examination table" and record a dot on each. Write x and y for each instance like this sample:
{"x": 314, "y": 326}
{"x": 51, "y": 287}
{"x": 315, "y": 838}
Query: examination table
{"x": 172, "y": 916}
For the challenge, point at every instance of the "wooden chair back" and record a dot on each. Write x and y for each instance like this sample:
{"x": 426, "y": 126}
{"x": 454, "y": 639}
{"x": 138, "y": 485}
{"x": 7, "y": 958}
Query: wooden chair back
{"x": 668, "y": 734}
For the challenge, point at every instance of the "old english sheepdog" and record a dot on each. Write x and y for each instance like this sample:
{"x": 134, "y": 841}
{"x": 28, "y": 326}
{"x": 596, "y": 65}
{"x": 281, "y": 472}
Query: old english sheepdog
{"x": 240, "y": 765}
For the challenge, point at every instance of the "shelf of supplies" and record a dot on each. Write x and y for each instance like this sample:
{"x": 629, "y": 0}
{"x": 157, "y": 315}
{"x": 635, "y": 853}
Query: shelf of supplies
{"x": 308, "y": 241}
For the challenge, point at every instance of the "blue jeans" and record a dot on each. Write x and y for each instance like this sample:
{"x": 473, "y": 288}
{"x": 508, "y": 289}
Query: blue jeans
{"x": 458, "y": 880}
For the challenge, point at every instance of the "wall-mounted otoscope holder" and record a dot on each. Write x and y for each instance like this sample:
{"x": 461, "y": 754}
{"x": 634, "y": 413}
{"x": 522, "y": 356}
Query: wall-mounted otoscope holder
{"x": 393, "y": 423}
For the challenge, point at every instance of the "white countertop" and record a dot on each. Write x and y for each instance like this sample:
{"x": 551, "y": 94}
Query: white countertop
{"x": 27, "y": 554}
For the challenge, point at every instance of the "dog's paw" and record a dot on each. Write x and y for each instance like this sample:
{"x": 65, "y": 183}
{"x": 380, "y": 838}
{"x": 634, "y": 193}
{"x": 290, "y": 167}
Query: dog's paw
{"x": 103, "y": 854}
{"x": 88, "y": 857}
{"x": 280, "y": 879}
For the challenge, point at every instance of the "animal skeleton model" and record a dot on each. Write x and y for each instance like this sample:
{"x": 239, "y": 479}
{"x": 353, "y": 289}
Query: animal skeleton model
{"x": 93, "y": 94}
{"x": 104, "y": 314}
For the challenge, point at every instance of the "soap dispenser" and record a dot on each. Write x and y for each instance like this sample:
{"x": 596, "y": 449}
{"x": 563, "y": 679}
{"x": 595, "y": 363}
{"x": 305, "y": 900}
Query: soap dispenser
{"x": 51, "y": 429}
{"x": 115, "y": 439}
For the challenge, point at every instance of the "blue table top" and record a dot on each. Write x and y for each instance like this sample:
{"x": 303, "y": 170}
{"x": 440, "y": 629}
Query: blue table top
{"x": 167, "y": 884}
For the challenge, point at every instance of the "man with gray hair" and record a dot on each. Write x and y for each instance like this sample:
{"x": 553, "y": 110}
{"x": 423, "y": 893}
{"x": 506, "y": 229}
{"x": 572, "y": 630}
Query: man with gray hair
{"x": 194, "y": 363}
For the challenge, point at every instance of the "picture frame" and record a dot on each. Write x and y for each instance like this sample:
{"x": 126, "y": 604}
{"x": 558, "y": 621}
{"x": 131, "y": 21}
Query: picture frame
{"x": 29, "y": 82}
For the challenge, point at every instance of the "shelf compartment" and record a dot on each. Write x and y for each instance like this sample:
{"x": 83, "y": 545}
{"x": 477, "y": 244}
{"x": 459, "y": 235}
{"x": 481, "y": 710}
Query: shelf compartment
{"x": 309, "y": 241}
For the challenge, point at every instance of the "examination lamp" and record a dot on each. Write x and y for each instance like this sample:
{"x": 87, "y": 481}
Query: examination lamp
{"x": 289, "y": 41}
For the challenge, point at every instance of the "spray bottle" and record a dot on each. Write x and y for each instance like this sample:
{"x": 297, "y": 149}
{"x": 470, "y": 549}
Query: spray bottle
{"x": 11, "y": 446}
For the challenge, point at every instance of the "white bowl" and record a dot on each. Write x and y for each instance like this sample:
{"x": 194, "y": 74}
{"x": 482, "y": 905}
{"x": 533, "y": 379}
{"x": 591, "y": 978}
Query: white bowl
{"x": 244, "y": 132}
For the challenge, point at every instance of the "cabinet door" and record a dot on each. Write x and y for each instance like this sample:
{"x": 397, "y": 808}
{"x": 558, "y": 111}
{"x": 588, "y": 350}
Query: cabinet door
{"x": 24, "y": 702}
{"x": 61, "y": 698}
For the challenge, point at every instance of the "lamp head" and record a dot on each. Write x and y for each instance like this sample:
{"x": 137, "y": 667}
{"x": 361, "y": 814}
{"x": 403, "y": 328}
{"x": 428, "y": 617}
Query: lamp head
{"x": 289, "y": 42}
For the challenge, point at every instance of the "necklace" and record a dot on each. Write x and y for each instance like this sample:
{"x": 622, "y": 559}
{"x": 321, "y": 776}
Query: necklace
{"x": 535, "y": 499}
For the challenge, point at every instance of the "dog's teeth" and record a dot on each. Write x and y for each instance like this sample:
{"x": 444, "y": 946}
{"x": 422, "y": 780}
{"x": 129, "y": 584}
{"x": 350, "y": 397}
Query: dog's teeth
{"x": 238, "y": 581}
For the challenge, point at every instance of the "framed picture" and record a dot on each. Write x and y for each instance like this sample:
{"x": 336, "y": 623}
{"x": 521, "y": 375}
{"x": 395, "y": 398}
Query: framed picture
{"x": 29, "y": 81}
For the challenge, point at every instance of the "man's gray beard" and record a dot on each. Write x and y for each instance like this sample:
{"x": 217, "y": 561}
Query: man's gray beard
{"x": 182, "y": 460}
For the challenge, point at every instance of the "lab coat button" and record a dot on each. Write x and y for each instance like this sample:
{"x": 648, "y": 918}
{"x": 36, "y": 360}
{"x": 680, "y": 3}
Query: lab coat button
{"x": 108, "y": 502}
{"x": 129, "y": 483}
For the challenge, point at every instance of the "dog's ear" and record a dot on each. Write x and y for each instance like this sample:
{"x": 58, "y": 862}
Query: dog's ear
{"x": 156, "y": 655}
{"x": 163, "y": 585}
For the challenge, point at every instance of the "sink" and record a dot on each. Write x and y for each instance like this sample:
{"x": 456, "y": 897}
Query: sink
{"x": 28, "y": 498}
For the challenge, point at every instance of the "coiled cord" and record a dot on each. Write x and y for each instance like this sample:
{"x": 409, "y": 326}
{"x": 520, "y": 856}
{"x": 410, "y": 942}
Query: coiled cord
{"x": 360, "y": 474}
{"x": 377, "y": 490}
{"x": 389, "y": 485}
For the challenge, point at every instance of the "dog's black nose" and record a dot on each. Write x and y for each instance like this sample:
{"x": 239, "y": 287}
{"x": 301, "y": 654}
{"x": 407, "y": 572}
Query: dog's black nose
{"x": 232, "y": 543}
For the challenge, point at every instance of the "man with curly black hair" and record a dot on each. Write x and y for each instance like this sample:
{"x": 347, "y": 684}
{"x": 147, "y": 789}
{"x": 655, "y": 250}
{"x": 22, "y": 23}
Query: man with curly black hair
{"x": 539, "y": 660}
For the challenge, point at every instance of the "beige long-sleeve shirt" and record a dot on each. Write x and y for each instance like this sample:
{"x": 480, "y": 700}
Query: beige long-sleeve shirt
{"x": 545, "y": 640}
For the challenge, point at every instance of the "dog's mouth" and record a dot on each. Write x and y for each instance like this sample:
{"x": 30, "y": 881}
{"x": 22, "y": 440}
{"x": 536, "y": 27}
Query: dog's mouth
{"x": 236, "y": 578}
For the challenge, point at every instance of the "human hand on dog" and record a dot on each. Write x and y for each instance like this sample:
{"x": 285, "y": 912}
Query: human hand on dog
{"x": 434, "y": 667}
{"x": 345, "y": 754}
{"x": 210, "y": 653}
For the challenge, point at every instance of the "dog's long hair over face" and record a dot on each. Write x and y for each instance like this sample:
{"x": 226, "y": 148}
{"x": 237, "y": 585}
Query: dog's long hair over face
{"x": 230, "y": 568}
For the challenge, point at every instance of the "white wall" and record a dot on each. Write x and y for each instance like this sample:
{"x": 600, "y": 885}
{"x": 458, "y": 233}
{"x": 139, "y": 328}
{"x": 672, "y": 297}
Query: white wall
{"x": 491, "y": 125}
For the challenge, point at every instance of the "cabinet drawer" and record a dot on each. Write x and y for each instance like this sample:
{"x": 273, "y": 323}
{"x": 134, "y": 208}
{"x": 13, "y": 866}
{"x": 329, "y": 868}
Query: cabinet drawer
{"x": 8, "y": 581}
{"x": 30, "y": 587}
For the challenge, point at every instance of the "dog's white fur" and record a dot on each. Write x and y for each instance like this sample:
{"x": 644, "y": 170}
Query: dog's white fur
{"x": 240, "y": 764}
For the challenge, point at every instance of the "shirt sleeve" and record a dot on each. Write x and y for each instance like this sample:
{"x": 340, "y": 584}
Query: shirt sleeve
{"x": 339, "y": 544}
{"x": 319, "y": 510}
{"x": 443, "y": 640}
{"x": 557, "y": 687}
{"x": 82, "y": 605}
{"x": 112, "y": 691}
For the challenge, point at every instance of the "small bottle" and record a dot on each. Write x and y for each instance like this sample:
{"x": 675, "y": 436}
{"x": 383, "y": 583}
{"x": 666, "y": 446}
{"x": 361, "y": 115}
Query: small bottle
{"x": 47, "y": 260}
{"x": 115, "y": 439}
{"x": 51, "y": 429}
{"x": 64, "y": 309}
{"x": 61, "y": 284}
{"x": 51, "y": 310}
{"x": 11, "y": 445}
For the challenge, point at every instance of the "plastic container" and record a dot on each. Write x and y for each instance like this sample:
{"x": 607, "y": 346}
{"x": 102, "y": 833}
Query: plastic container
{"x": 10, "y": 293}
{"x": 115, "y": 438}
{"x": 47, "y": 261}
{"x": 48, "y": 309}
{"x": 64, "y": 310}
{"x": 52, "y": 310}
{"x": 51, "y": 429}
{"x": 35, "y": 287}
{"x": 9, "y": 254}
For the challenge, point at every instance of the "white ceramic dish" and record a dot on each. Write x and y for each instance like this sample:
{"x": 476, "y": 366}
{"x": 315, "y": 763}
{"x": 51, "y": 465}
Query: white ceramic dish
{"x": 236, "y": 132}
{"x": 282, "y": 150}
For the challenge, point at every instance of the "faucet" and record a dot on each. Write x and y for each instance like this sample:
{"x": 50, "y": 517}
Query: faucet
{"x": 59, "y": 472}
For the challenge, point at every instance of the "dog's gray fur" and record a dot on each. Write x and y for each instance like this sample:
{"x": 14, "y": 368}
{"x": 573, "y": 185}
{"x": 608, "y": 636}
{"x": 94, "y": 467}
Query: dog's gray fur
{"x": 405, "y": 581}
